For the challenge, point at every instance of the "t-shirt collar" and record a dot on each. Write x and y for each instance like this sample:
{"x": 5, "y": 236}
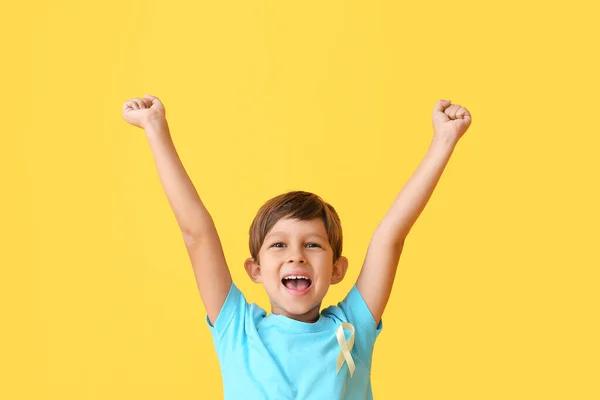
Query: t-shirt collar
{"x": 299, "y": 326}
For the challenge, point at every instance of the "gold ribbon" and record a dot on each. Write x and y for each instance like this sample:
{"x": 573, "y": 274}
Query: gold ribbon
{"x": 345, "y": 347}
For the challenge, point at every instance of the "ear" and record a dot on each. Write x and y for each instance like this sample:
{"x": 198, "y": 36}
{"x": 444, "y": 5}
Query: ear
{"x": 339, "y": 270}
{"x": 253, "y": 270}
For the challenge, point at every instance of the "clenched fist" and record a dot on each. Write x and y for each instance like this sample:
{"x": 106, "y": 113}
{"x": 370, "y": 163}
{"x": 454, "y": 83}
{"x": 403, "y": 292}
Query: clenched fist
{"x": 139, "y": 112}
{"x": 450, "y": 121}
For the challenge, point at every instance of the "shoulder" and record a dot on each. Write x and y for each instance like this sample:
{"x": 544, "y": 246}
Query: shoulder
{"x": 363, "y": 331}
{"x": 236, "y": 316}
{"x": 354, "y": 310}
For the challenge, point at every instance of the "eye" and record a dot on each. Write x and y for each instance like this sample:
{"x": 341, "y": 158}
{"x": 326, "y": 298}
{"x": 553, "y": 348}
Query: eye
{"x": 276, "y": 244}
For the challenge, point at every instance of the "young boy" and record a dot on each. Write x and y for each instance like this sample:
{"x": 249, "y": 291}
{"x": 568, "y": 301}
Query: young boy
{"x": 298, "y": 351}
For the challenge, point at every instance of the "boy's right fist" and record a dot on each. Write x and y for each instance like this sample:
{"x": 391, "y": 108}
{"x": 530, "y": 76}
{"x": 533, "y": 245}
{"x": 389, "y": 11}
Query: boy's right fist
{"x": 139, "y": 112}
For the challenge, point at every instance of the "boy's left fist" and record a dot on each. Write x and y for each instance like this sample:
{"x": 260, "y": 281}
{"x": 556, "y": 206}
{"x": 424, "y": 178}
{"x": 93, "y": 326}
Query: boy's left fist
{"x": 138, "y": 112}
{"x": 450, "y": 121}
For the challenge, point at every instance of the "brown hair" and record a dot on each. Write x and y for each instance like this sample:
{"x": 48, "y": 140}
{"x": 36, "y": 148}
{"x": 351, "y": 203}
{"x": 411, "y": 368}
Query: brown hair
{"x": 295, "y": 205}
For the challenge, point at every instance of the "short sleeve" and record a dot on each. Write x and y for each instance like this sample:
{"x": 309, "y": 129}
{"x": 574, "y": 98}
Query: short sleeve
{"x": 355, "y": 307}
{"x": 236, "y": 320}
{"x": 358, "y": 314}
{"x": 234, "y": 307}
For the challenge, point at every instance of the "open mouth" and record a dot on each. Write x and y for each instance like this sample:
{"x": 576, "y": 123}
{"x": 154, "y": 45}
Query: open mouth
{"x": 297, "y": 282}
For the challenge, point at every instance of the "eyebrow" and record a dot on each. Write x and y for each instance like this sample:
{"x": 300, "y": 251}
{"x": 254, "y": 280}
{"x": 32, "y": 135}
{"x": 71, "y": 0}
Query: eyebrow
{"x": 283, "y": 233}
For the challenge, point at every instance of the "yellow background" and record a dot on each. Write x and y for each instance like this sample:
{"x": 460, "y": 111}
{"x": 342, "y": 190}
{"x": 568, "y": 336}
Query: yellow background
{"x": 496, "y": 295}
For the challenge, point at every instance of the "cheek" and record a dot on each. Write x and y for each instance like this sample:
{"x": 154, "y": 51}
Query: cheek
{"x": 269, "y": 273}
{"x": 324, "y": 259}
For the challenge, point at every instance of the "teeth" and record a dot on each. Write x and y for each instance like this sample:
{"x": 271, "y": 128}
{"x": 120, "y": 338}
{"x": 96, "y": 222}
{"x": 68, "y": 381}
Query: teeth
{"x": 296, "y": 277}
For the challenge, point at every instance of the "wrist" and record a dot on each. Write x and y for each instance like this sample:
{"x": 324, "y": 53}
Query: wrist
{"x": 155, "y": 123}
{"x": 444, "y": 141}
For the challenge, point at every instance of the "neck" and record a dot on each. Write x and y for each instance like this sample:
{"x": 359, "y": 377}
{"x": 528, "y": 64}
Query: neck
{"x": 311, "y": 316}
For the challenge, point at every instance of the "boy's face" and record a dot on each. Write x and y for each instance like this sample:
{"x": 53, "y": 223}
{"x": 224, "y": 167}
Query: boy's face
{"x": 296, "y": 268}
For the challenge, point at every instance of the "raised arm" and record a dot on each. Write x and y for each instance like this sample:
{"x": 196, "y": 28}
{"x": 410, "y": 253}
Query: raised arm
{"x": 198, "y": 230}
{"x": 379, "y": 268}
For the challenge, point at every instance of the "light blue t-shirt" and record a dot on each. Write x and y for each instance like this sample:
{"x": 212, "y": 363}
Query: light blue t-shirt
{"x": 276, "y": 357}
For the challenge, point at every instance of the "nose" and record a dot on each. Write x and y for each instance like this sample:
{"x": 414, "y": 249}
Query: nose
{"x": 296, "y": 256}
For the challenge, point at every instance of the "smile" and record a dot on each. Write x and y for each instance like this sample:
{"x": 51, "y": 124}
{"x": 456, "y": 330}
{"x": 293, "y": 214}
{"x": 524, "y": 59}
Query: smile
{"x": 297, "y": 284}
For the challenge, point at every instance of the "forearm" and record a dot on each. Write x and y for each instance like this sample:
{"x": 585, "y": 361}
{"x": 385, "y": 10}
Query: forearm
{"x": 417, "y": 191}
{"x": 191, "y": 215}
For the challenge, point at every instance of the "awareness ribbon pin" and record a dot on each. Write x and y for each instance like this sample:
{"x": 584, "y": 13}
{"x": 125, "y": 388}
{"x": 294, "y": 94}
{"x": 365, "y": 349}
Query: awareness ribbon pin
{"x": 345, "y": 347}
